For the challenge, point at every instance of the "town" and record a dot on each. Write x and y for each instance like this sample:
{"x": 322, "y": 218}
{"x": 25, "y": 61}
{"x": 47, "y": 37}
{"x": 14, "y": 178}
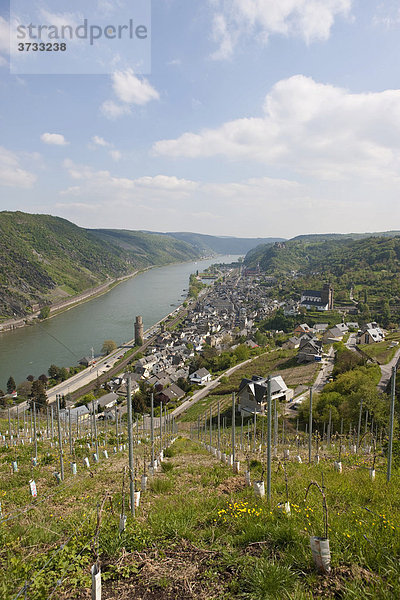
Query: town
{"x": 220, "y": 325}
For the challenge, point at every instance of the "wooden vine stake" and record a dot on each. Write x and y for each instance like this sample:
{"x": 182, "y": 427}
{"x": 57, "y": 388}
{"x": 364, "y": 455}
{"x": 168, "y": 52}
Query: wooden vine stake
{"x": 320, "y": 545}
{"x": 95, "y": 569}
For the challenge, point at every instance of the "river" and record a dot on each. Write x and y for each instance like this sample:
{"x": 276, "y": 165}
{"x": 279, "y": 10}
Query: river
{"x": 63, "y": 340}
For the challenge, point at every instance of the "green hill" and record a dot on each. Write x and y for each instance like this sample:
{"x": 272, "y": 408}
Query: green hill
{"x": 208, "y": 244}
{"x": 366, "y": 270}
{"x": 44, "y": 259}
{"x": 147, "y": 248}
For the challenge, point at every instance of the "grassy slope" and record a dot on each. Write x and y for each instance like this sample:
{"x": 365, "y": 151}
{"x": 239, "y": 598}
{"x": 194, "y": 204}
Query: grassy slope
{"x": 201, "y": 534}
{"x": 148, "y": 248}
{"x": 369, "y": 267}
{"x": 41, "y": 253}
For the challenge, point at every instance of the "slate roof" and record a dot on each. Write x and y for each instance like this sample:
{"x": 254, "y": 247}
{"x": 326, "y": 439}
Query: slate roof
{"x": 200, "y": 373}
{"x": 258, "y": 386}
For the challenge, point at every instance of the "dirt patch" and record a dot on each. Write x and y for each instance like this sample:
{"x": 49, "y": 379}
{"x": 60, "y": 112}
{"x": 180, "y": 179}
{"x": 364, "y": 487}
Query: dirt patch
{"x": 231, "y": 485}
{"x": 184, "y": 571}
{"x": 334, "y": 586}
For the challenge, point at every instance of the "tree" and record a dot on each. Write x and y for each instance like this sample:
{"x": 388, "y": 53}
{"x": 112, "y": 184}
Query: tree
{"x": 30, "y": 378}
{"x": 24, "y": 389}
{"x": 184, "y": 384}
{"x": 139, "y": 403}
{"x": 11, "y": 385}
{"x": 5, "y": 402}
{"x": 54, "y": 372}
{"x": 242, "y": 352}
{"x": 260, "y": 338}
{"x": 1, "y": 393}
{"x": 44, "y": 312}
{"x": 44, "y": 379}
{"x": 85, "y": 400}
{"x": 38, "y": 395}
{"x": 108, "y": 346}
{"x": 64, "y": 374}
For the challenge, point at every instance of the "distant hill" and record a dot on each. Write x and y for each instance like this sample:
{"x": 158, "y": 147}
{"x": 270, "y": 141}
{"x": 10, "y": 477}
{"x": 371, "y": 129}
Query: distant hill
{"x": 364, "y": 272}
{"x": 209, "y": 244}
{"x": 342, "y": 236}
{"x": 44, "y": 259}
{"x": 147, "y": 248}
{"x": 330, "y": 255}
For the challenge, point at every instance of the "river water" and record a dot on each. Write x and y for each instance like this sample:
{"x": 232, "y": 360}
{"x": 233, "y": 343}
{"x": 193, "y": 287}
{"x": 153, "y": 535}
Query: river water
{"x": 65, "y": 339}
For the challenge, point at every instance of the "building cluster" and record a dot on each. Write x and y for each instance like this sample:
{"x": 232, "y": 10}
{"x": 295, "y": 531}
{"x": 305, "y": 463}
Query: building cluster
{"x": 309, "y": 341}
{"x": 223, "y": 313}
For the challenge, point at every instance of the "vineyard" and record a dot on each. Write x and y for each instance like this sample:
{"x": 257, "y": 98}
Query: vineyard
{"x": 217, "y": 512}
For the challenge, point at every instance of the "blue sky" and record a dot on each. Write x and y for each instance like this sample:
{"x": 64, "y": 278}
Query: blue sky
{"x": 259, "y": 118}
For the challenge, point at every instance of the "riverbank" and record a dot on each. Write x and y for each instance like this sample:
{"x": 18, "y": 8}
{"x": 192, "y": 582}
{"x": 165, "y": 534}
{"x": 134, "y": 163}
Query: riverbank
{"x": 153, "y": 294}
{"x": 59, "y": 307}
{"x": 64, "y": 305}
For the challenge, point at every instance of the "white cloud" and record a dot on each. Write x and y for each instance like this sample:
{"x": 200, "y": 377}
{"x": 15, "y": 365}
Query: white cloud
{"x": 4, "y": 41}
{"x": 104, "y": 182}
{"x": 130, "y": 89}
{"x": 175, "y": 62}
{"x": 253, "y": 207}
{"x": 4, "y": 36}
{"x": 115, "y": 155}
{"x": 168, "y": 202}
{"x": 60, "y": 20}
{"x": 112, "y": 110}
{"x": 308, "y": 19}
{"x": 99, "y": 141}
{"x": 11, "y": 173}
{"x": 54, "y": 139}
{"x": 387, "y": 14}
{"x": 308, "y": 127}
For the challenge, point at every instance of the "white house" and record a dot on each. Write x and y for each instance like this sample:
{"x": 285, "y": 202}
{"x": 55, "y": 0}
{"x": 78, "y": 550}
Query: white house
{"x": 200, "y": 377}
{"x": 253, "y": 393}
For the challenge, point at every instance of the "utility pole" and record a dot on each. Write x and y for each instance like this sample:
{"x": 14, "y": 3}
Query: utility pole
{"x": 60, "y": 439}
{"x": 390, "y": 447}
{"x": 255, "y": 426}
{"x": 95, "y": 430}
{"x": 161, "y": 416}
{"x": 130, "y": 442}
{"x": 34, "y": 428}
{"x": 219, "y": 427}
{"x": 310, "y": 424}
{"x": 233, "y": 425}
{"x": 269, "y": 431}
{"x": 152, "y": 430}
{"x": 328, "y": 441}
{"x": 116, "y": 425}
{"x": 70, "y": 431}
{"x": 359, "y": 424}
{"x": 210, "y": 428}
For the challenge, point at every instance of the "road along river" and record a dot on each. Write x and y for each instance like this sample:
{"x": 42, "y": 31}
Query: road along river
{"x": 65, "y": 339}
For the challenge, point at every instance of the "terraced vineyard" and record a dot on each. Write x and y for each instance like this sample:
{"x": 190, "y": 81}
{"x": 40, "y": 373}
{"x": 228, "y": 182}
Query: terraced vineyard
{"x": 200, "y": 531}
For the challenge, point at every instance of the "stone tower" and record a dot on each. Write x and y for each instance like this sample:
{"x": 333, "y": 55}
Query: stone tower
{"x": 139, "y": 331}
{"x": 327, "y": 296}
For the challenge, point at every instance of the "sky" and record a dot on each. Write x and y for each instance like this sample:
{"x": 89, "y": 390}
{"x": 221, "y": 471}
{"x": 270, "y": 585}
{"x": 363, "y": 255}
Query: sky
{"x": 254, "y": 118}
